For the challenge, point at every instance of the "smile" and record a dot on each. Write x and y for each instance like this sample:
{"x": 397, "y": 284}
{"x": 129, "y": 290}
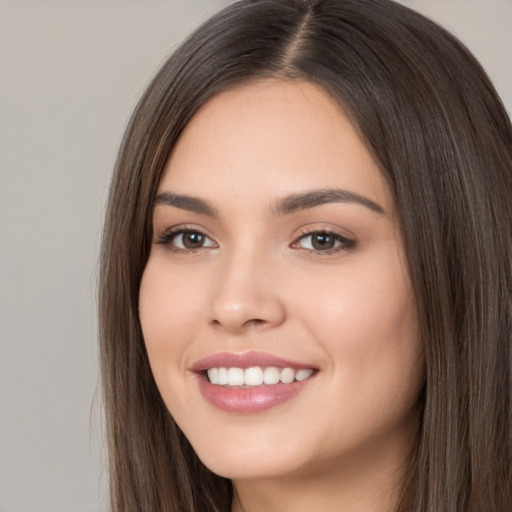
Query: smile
{"x": 256, "y": 376}
{"x": 251, "y": 382}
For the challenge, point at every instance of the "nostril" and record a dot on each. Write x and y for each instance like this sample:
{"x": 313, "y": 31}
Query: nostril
{"x": 252, "y": 323}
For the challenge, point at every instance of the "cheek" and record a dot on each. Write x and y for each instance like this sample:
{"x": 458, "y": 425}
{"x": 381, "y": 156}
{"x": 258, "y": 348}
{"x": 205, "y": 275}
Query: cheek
{"x": 365, "y": 302}
{"x": 168, "y": 316}
{"x": 366, "y": 322}
{"x": 164, "y": 315}
{"x": 367, "y": 327}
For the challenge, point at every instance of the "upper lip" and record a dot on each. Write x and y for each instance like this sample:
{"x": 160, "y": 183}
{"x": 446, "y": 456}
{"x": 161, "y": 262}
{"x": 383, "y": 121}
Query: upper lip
{"x": 245, "y": 360}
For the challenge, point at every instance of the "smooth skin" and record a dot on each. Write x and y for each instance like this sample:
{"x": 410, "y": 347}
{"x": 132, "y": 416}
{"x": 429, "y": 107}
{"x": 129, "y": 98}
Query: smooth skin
{"x": 324, "y": 283}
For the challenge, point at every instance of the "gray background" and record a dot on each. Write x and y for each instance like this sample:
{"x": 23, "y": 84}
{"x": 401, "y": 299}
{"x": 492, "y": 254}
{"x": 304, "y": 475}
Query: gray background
{"x": 70, "y": 73}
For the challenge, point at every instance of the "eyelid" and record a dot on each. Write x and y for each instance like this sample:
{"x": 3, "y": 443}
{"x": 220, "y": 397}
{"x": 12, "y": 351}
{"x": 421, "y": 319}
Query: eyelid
{"x": 343, "y": 243}
{"x": 167, "y": 236}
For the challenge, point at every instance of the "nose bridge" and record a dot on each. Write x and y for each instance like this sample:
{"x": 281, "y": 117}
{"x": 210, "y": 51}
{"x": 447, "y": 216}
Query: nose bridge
{"x": 245, "y": 295}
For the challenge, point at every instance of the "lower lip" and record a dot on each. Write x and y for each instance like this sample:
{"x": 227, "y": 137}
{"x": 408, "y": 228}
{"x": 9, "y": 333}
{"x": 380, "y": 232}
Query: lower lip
{"x": 250, "y": 400}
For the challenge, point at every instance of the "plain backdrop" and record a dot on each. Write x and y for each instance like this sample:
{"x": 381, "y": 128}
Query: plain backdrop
{"x": 71, "y": 72}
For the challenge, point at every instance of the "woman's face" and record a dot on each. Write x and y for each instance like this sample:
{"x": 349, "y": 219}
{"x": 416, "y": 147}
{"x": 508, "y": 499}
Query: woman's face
{"x": 278, "y": 268}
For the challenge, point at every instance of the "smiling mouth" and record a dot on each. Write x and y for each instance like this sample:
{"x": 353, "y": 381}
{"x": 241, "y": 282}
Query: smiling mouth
{"x": 256, "y": 376}
{"x": 251, "y": 382}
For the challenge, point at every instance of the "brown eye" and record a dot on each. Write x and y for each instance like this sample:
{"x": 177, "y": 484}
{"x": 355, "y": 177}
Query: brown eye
{"x": 324, "y": 242}
{"x": 191, "y": 240}
{"x": 186, "y": 240}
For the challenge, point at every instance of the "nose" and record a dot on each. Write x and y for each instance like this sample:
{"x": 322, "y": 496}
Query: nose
{"x": 246, "y": 295}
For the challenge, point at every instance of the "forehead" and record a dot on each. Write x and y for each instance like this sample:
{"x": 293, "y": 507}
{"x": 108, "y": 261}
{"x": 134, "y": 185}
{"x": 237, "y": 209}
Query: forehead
{"x": 272, "y": 137}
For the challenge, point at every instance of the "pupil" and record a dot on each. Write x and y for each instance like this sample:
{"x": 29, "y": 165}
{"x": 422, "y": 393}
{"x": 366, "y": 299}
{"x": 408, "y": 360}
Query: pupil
{"x": 323, "y": 241}
{"x": 193, "y": 240}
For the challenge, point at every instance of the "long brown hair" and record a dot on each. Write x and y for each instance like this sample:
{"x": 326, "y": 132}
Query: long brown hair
{"x": 435, "y": 125}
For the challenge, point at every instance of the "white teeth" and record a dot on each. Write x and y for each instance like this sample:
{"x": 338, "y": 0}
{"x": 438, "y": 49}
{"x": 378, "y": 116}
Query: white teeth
{"x": 213, "y": 375}
{"x": 287, "y": 375}
{"x": 303, "y": 374}
{"x": 271, "y": 375}
{"x": 253, "y": 376}
{"x": 256, "y": 376}
{"x": 223, "y": 377}
{"x": 236, "y": 377}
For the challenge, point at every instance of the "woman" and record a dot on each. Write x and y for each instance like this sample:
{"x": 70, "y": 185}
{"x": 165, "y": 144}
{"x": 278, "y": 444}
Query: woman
{"x": 306, "y": 271}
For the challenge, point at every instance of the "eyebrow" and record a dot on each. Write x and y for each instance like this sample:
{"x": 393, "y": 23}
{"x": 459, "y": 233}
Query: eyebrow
{"x": 284, "y": 206}
{"x": 306, "y": 200}
{"x": 184, "y": 202}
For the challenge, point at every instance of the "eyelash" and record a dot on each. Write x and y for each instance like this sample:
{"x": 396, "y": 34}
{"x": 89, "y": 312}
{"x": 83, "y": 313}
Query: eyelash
{"x": 167, "y": 238}
{"x": 343, "y": 243}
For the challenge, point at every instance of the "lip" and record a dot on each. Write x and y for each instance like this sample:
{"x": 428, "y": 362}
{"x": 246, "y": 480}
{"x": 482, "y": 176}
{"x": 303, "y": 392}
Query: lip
{"x": 245, "y": 360}
{"x": 248, "y": 400}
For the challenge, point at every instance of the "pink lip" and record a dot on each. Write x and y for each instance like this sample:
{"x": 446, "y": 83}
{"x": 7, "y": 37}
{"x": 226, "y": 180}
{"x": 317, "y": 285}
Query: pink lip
{"x": 247, "y": 400}
{"x": 245, "y": 360}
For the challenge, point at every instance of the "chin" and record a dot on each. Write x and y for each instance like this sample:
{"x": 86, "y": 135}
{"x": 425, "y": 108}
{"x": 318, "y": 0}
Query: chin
{"x": 252, "y": 455}
{"x": 260, "y": 468}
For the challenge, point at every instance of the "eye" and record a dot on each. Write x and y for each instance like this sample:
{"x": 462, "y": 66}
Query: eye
{"x": 323, "y": 242}
{"x": 186, "y": 240}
